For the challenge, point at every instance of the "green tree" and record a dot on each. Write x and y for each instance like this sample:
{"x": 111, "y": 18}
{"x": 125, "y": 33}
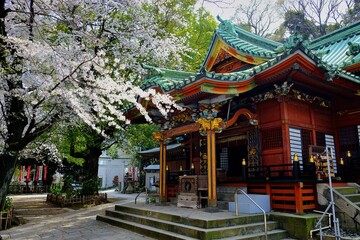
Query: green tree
{"x": 314, "y": 17}
{"x": 136, "y": 137}
{"x": 182, "y": 19}
{"x": 353, "y": 12}
{"x": 295, "y": 21}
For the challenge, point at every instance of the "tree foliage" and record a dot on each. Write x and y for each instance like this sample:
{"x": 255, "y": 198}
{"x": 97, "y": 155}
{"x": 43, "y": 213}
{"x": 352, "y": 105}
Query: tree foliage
{"x": 138, "y": 137}
{"x": 314, "y": 17}
{"x": 353, "y": 11}
{"x": 184, "y": 20}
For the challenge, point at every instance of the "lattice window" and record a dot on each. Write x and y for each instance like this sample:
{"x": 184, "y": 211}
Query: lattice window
{"x": 306, "y": 141}
{"x": 349, "y": 140}
{"x": 320, "y": 139}
{"x": 271, "y": 138}
{"x": 296, "y": 144}
{"x": 224, "y": 159}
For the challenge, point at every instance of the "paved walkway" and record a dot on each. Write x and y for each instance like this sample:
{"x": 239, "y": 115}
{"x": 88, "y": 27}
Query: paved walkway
{"x": 79, "y": 224}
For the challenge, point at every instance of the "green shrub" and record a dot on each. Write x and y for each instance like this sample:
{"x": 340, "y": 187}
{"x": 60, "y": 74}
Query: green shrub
{"x": 90, "y": 187}
{"x": 68, "y": 189}
{"x": 56, "y": 189}
{"x": 8, "y": 204}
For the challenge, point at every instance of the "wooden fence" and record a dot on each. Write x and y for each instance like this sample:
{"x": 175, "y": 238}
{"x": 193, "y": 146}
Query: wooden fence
{"x": 6, "y": 218}
{"x": 84, "y": 199}
{"x": 16, "y": 189}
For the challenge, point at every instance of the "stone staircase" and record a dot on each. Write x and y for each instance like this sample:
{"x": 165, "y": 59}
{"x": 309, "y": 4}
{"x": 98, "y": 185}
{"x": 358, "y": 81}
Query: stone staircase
{"x": 350, "y": 193}
{"x": 347, "y": 200}
{"x": 169, "y": 225}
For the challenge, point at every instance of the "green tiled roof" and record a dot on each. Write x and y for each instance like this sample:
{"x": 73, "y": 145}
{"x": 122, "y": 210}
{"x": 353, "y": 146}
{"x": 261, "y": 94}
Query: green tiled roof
{"x": 167, "y": 79}
{"x": 333, "y": 48}
{"x": 330, "y": 52}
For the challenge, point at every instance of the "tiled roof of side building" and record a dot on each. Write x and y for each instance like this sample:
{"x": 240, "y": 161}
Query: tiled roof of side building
{"x": 166, "y": 79}
{"x": 339, "y": 48}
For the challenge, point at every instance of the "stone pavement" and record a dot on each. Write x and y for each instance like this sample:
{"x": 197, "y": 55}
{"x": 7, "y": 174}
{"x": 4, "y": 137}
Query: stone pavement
{"x": 79, "y": 224}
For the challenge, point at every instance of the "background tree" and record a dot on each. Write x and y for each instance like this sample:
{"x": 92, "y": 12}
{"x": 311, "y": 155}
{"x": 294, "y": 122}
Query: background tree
{"x": 258, "y": 17}
{"x": 138, "y": 138}
{"x": 353, "y": 11}
{"x": 295, "y": 21}
{"x": 314, "y": 17}
{"x": 185, "y": 20}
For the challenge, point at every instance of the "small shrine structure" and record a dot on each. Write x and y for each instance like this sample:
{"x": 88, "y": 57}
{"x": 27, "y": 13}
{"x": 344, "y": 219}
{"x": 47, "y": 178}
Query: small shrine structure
{"x": 258, "y": 115}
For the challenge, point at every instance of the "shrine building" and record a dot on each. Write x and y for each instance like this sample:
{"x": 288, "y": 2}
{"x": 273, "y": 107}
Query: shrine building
{"x": 262, "y": 116}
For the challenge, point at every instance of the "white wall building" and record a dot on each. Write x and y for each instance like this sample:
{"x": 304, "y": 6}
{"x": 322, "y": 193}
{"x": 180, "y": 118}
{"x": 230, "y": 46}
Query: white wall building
{"x": 110, "y": 167}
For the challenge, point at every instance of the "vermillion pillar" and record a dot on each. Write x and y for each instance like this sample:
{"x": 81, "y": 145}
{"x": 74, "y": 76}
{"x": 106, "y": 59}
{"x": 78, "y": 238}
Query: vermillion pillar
{"x": 209, "y": 127}
{"x": 162, "y": 175}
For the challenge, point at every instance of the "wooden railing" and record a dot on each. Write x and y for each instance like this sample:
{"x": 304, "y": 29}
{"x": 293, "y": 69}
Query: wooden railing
{"x": 295, "y": 171}
{"x": 295, "y": 197}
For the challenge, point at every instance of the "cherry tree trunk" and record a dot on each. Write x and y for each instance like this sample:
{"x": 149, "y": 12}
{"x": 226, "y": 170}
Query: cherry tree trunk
{"x": 7, "y": 169}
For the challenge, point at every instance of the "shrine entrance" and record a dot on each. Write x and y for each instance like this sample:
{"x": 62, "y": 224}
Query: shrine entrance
{"x": 236, "y": 155}
{"x": 230, "y": 154}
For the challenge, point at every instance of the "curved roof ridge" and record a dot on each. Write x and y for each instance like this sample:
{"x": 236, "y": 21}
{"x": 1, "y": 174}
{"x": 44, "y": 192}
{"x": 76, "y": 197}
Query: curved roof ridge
{"x": 339, "y": 34}
{"x": 228, "y": 26}
{"x": 156, "y": 71}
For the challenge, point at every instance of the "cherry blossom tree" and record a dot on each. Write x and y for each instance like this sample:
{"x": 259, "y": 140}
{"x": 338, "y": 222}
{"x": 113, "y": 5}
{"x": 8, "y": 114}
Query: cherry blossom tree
{"x": 75, "y": 58}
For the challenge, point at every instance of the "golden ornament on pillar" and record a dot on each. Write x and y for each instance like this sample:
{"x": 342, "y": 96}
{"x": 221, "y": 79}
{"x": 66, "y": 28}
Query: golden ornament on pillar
{"x": 216, "y": 124}
{"x": 158, "y": 136}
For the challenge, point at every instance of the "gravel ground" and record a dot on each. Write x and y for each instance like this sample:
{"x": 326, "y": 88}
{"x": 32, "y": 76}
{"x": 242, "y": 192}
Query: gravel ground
{"x": 343, "y": 234}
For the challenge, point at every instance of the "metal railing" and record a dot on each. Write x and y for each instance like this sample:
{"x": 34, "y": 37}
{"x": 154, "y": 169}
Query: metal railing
{"x": 146, "y": 192}
{"x": 321, "y": 228}
{"x": 328, "y": 152}
{"x": 257, "y": 205}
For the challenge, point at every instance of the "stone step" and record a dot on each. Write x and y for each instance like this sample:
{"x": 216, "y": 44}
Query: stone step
{"x": 143, "y": 229}
{"x": 190, "y": 231}
{"x": 353, "y": 197}
{"x": 223, "y": 205}
{"x": 346, "y": 190}
{"x": 244, "y": 219}
{"x": 272, "y": 235}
